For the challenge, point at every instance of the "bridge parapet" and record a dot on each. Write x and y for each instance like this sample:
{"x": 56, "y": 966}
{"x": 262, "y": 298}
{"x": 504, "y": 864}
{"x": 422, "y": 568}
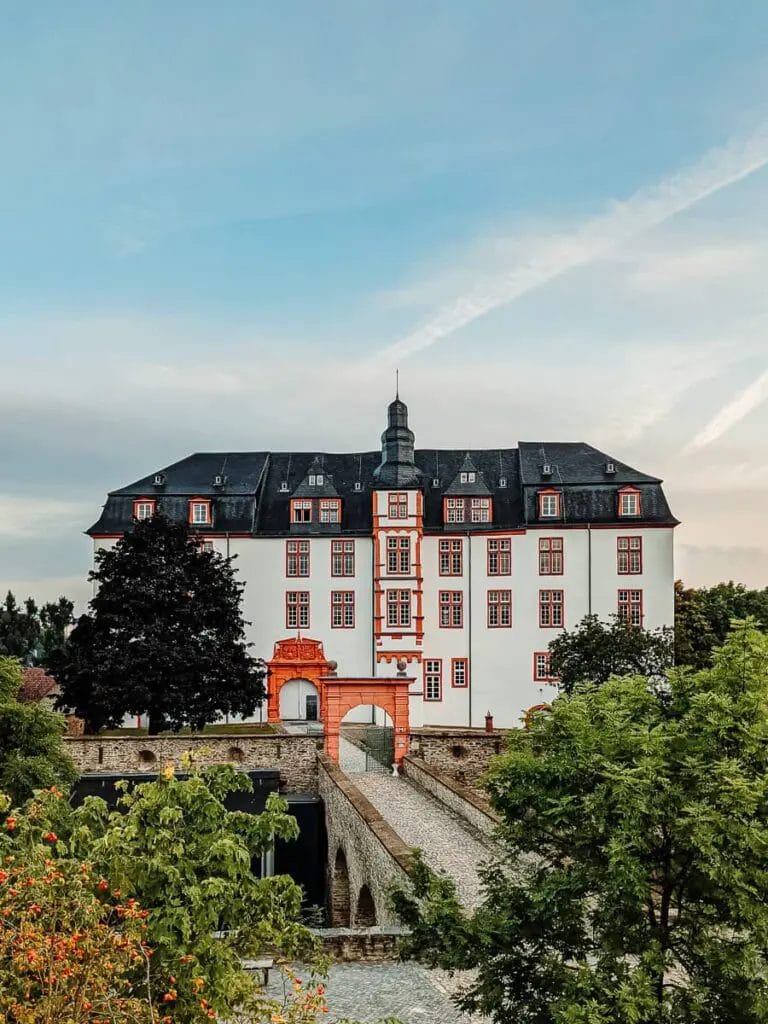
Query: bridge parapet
{"x": 466, "y": 801}
{"x": 365, "y": 855}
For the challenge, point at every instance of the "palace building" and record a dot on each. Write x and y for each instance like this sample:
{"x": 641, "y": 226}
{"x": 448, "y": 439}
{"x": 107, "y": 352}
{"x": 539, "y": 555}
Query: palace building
{"x": 458, "y": 566}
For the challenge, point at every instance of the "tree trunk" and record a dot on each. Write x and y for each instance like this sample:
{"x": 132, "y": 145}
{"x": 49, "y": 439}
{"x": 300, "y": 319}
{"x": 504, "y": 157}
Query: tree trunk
{"x": 155, "y": 722}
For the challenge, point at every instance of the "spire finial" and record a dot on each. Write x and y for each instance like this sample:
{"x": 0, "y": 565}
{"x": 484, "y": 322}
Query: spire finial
{"x": 397, "y": 383}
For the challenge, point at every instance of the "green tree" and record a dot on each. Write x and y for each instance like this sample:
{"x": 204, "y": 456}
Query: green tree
{"x": 632, "y": 884}
{"x": 595, "y": 651}
{"x": 31, "y": 752}
{"x": 30, "y": 633}
{"x": 703, "y": 617}
{"x": 173, "y": 846}
{"x": 164, "y": 636}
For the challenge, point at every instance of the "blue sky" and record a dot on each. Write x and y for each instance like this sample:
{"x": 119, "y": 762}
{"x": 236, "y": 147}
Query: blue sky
{"x": 222, "y": 225}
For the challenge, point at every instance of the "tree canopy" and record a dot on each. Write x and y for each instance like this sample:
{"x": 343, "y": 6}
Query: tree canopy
{"x": 595, "y": 651}
{"x": 164, "y": 636}
{"x": 31, "y": 753}
{"x": 703, "y": 617}
{"x": 33, "y": 634}
{"x": 634, "y": 866}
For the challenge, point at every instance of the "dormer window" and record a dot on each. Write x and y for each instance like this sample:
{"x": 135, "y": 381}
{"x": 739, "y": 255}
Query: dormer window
{"x": 629, "y": 502}
{"x": 330, "y": 510}
{"x": 301, "y": 510}
{"x": 200, "y": 512}
{"x": 549, "y": 505}
{"x": 316, "y": 479}
{"x": 312, "y": 479}
{"x": 468, "y": 477}
{"x": 144, "y": 508}
{"x": 454, "y": 510}
{"x": 480, "y": 509}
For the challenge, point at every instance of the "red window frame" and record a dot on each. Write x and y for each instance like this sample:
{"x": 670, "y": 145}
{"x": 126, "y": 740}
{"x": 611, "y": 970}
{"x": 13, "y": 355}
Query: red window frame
{"x": 397, "y": 505}
{"x": 297, "y": 602}
{"x": 630, "y": 605}
{"x": 301, "y": 505}
{"x": 342, "y": 558}
{"x": 481, "y": 510}
{"x": 329, "y": 511}
{"x": 551, "y": 555}
{"x": 450, "y": 557}
{"x": 398, "y": 555}
{"x": 463, "y": 663}
{"x": 343, "y": 603}
{"x": 150, "y": 502}
{"x": 545, "y": 675}
{"x": 199, "y": 503}
{"x": 399, "y": 602}
{"x": 458, "y": 507}
{"x": 450, "y": 609}
{"x": 550, "y": 607}
{"x": 629, "y": 556}
{"x": 203, "y": 543}
{"x": 550, "y": 493}
{"x": 296, "y": 559}
{"x": 499, "y": 551}
{"x": 435, "y": 675}
{"x": 627, "y": 492}
{"x": 499, "y": 602}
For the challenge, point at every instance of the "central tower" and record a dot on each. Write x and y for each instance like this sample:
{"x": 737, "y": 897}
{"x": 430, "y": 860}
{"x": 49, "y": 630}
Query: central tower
{"x": 398, "y": 467}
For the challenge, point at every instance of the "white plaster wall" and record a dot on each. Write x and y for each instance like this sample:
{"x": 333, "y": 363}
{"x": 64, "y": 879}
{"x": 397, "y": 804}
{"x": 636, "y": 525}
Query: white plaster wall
{"x": 501, "y": 665}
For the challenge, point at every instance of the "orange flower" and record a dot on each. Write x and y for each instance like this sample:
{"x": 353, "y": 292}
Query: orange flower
{"x": 10, "y": 824}
{"x": 50, "y": 837}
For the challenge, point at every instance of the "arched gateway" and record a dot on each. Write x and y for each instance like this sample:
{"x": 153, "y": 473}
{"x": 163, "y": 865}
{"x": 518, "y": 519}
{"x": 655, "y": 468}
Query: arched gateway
{"x": 303, "y": 658}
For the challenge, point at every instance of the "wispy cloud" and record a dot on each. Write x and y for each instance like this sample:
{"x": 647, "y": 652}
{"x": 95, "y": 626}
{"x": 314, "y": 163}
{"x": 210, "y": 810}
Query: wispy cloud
{"x": 24, "y": 517}
{"x": 732, "y": 413}
{"x": 552, "y": 256}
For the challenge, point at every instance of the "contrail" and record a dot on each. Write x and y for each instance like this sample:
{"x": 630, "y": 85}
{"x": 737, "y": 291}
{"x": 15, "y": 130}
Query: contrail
{"x": 647, "y": 208}
{"x": 743, "y": 404}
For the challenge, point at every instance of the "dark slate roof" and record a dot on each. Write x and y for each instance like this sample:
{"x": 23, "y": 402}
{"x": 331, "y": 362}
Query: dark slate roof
{"x": 574, "y": 463}
{"x": 255, "y": 498}
{"x": 476, "y": 489}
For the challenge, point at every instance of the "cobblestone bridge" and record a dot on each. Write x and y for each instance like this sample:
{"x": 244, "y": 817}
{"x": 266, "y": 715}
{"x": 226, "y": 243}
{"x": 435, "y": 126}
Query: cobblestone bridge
{"x": 374, "y": 820}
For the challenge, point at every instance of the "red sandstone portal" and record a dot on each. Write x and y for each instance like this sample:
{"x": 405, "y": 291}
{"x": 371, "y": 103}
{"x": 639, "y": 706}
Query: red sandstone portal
{"x": 303, "y": 658}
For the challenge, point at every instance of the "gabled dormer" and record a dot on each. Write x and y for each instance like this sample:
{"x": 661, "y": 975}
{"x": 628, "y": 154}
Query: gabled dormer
{"x": 315, "y": 502}
{"x": 467, "y": 500}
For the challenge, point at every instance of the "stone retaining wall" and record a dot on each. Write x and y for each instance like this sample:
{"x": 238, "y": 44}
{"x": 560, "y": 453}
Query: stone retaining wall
{"x": 361, "y": 945}
{"x": 295, "y": 757}
{"x": 375, "y": 856}
{"x": 463, "y": 800}
{"x": 459, "y": 754}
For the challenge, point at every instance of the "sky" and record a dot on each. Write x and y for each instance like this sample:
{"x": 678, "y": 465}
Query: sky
{"x": 223, "y": 225}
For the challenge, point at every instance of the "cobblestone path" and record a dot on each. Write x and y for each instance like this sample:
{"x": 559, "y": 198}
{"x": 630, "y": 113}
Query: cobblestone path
{"x": 448, "y": 843}
{"x": 372, "y": 992}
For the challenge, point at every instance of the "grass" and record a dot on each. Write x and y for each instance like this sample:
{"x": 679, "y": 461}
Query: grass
{"x": 240, "y": 729}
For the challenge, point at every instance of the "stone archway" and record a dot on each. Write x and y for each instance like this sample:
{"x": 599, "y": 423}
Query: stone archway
{"x": 340, "y": 893}
{"x": 300, "y": 658}
{"x": 340, "y": 696}
{"x": 365, "y": 912}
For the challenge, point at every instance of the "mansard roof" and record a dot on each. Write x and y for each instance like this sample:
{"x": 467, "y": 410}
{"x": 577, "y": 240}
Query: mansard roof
{"x": 254, "y": 498}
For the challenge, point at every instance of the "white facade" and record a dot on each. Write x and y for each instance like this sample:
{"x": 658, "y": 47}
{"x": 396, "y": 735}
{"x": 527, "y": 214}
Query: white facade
{"x": 499, "y": 661}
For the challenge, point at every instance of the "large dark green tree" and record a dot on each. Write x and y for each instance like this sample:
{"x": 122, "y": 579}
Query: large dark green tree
{"x": 595, "y": 651}
{"x": 164, "y": 636}
{"x": 31, "y": 752}
{"x": 634, "y": 867}
{"x": 703, "y": 617}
